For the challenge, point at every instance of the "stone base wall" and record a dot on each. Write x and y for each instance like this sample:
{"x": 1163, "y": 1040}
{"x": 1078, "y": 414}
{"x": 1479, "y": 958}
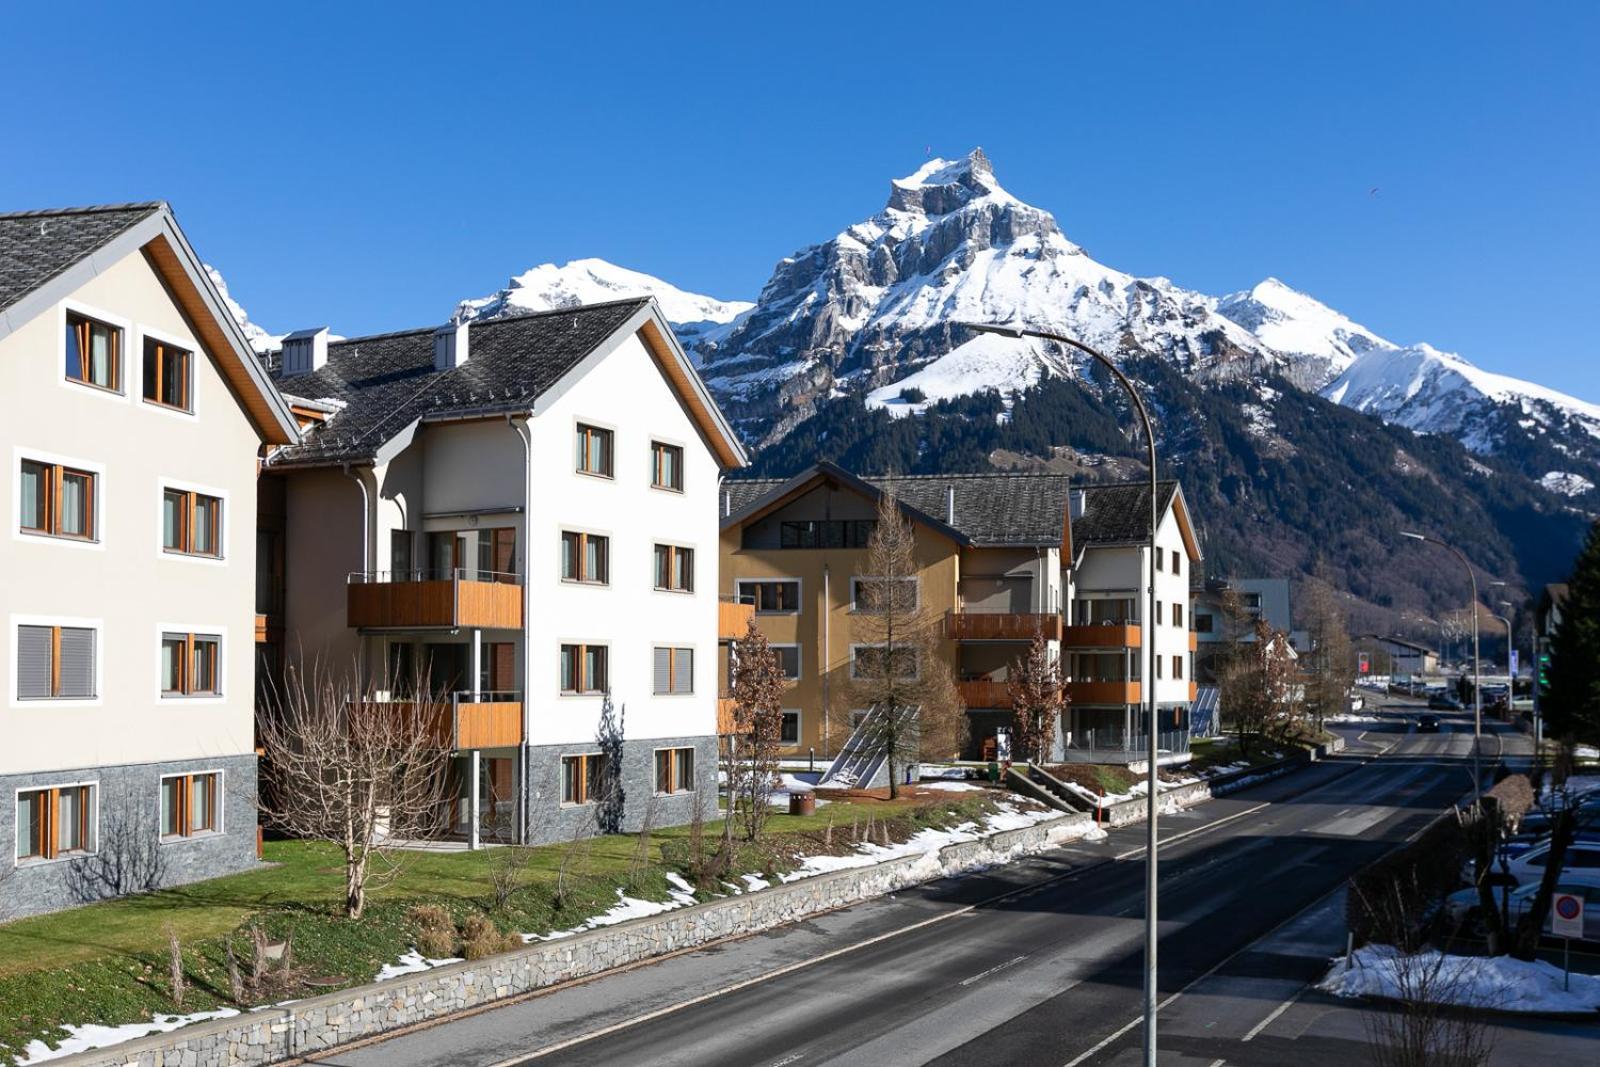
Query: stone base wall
{"x": 1186, "y": 796}
{"x": 550, "y": 821}
{"x": 129, "y": 855}
{"x": 309, "y": 1027}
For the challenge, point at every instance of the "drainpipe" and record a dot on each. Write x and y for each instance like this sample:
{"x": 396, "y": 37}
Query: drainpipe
{"x": 520, "y": 427}
{"x": 827, "y": 659}
{"x": 367, "y": 522}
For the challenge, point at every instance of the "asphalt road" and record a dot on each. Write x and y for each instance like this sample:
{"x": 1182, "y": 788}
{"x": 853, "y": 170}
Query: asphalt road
{"x": 1038, "y": 962}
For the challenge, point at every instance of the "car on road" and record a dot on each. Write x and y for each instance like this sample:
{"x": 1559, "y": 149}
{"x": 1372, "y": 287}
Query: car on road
{"x": 1443, "y": 702}
{"x": 1427, "y": 724}
{"x": 1463, "y": 908}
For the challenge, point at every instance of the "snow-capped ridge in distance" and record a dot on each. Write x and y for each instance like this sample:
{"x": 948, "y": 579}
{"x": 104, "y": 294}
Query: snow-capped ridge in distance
{"x": 1320, "y": 343}
{"x": 260, "y": 340}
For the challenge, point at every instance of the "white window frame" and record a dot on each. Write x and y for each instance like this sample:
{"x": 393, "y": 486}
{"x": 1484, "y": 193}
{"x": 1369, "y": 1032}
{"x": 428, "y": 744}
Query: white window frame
{"x": 198, "y": 630}
{"x": 77, "y": 307}
{"x": 14, "y": 481}
{"x": 56, "y": 703}
{"x": 616, "y": 450}
{"x": 189, "y": 346}
{"x": 94, "y": 823}
{"x": 799, "y": 726}
{"x": 671, "y": 748}
{"x": 694, "y": 569}
{"x": 916, "y": 585}
{"x": 799, "y": 594}
{"x": 584, "y": 583}
{"x": 163, "y": 483}
{"x": 914, "y": 676}
{"x": 683, "y": 462}
{"x": 561, "y": 799}
{"x": 694, "y": 668}
{"x": 222, "y": 799}
{"x": 799, "y": 658}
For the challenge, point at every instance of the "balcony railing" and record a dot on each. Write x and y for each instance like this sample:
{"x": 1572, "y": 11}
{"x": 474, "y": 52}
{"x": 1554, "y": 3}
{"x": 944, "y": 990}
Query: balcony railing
{"x": 1117, "y": 635}
{"x": 1001, "y": 625}
{"x": 1115, "y": 692}
{"x": 422, "y": 599}
{"x": 733, "y": 616}
{"x": 984, "y": 693}
{"x": 1115, "y": 745}
{"x": 461, "y": 722}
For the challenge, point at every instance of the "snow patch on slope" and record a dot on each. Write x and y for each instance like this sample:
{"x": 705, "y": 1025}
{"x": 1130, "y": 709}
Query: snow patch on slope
{"x": 1008, "y": 364}
{"x": 1566, "y": 483}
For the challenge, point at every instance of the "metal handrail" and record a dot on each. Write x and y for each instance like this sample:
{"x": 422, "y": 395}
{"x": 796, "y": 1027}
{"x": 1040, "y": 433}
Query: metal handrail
{"x": 487, "y": 696}
{"x": 429, "y": 574}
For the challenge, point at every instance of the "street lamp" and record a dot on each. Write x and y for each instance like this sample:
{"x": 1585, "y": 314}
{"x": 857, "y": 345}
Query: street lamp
{"x": 1477, "y": 689}
{"x": 1149, "y": 638}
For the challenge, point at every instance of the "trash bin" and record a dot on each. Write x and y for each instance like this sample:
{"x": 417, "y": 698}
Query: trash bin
{"x": 803, "y": 803}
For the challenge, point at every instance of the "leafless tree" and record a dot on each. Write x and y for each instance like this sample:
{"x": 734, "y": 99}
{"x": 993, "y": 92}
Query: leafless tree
{"x": 751, "y": 748}
{"x": 900, "y": 663}
{"x": 1037, "y": 700}
{"x": 1436, "y": 1019}
{"x": 1330, "y": 669}
{"x": 363, "y": 773}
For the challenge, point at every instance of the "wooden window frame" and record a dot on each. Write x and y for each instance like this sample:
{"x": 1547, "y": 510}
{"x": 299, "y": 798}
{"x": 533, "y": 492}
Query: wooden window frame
{"x": 55, "y": 475}
{"x": 191, "y": 499}
{"x": 581, "y": 558}
{"x": 580, "y": 651}
{"x": 1177, "y": 613}
{"x": 1177, "y": 668}
{"x": 658, "y": 449}
{"x": 673, "y": 552}
{"x": 667, "y": 759}
{"x": 186, "y": 828}
{"x": 186, "y": 389}
{"x": 855, "y": 597}
{"x": 187, "y": 662}
{"x": 672, "y": 652}
{"x": 55, "y": 661}
{"x": 580, "y": 780}
{"x": 48, "y": 846}
{"x": 588, "y": 431}
{"x": 81, "y": 325}
{"x": 742, "y": 584}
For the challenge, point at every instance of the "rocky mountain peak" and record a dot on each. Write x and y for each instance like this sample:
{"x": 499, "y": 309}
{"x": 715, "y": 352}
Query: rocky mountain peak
{"x": 941, "y": 186}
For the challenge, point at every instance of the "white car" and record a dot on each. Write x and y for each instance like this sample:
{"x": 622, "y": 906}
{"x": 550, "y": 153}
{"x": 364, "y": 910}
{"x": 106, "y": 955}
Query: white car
{"x": 1582, "y": 863}
{"x": 1462, "y": 906}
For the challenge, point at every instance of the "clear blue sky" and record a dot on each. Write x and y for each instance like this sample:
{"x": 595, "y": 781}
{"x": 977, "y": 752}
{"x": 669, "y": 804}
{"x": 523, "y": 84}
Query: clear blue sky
{"x": 366, "y": 167}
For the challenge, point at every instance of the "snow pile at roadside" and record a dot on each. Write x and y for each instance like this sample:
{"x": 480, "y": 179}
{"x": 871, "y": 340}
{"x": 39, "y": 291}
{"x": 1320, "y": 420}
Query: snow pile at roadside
{"x": 626, "y": 907}
{"x": 1135, "y": 791}
{"x": 1501, "y": 983}
{"x": 93, "y": 1036}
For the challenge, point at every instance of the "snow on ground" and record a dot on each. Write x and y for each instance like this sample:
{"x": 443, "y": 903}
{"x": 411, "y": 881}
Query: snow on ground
{"x": 988, "y": 361}
{"x": 927, "y": 771}
{"x": 84, "y": 1038}
{"x": 952, "y": 787}
{"x": 1565, "y": 483}
{"x": 411, "y": 963}
{"x": 1498, "y": 982}
{"x": 626, "y": 907}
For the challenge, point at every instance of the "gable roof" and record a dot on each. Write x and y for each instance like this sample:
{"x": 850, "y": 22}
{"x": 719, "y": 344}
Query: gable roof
{"x": 1119, "y": 514}
{"x": 47, "y": 255}
{"x": 385, "y": 384}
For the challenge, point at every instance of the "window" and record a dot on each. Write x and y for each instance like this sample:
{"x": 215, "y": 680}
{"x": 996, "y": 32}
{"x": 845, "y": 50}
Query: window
{"x": 190, "y": 665}
{"x": 772, "y": 598}
{"x": 1160, "y": 607}
{"x": 594, "y": 451}
{"x": 826, "y": 533}
{"x": 877, "y": 595}
{"x": 1177, "y": 668}
{"x": 58, "y": 500}
{"x": 674, "y": 770}
{"x": 583, "y": 669}
{"x": 875, "y": 661}
{"x": 190, "y": 805}
{"x": 789, "y": 731}
{"x": 55, "y": 663}
{"x": 191, "y": 523}
{"x": 1177, "y": 562}
{"x": 673, "y": 671}
{"x": 1177, "y": 614}
{"x": 585, "y": 558}
{"x": 666, "y": 466}
{"x": 788, "y": 660}
{"x": 400, "y": 565}
{"x": 1160, "y": 667}
{"x": 167, "y": 375}
{"x": 1161, "y": 560}
{"x": 675, "y": 568}
{"x": 55, "y": 822}
{"x": 1203, "y": 623}
{"x": 94, "y": 353}
{"x": 581, "y": 777}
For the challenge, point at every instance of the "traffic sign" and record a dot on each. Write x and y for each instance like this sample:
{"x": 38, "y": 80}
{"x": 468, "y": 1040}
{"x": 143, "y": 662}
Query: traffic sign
{"x": 1566, "y": 915}
{"x": 1513, "y": 663}
{"x": 1364, "y": 663}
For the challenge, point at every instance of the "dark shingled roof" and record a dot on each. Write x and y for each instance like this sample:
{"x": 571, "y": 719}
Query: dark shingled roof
{"x": 387, "y": 381}
{"x": 35, "y": 246}
{"x": 1118, "y": 514}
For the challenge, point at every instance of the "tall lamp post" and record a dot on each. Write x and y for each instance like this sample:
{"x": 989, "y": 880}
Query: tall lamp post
{"x": 1511, "y": 639}
{"x": 1477, "y": 688}
{"x": 1149, "y": 639}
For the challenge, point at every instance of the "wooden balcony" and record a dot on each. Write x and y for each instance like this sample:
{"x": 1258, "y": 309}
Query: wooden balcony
{"x": 1114, "y": 635}
{"x": 1194, "y": 692}
{"x": 1000, "y": 626}
{"x": 1194, "y": 641}
{"x": 374, "y": 602}
{"x": 733, "y": 618}
{"x": 461, "y": 724}
{"x": 1113, "y": 693}
{"x": 983, "y": 693}
{"x": 725, "y": 724}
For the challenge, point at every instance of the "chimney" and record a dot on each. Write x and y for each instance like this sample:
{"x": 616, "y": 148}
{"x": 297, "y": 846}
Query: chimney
{"x": 450, "y": 346}
{"x": 950, "y": 505}
{"x": 1077, "y": 503}
{"x": 305, "y": 351}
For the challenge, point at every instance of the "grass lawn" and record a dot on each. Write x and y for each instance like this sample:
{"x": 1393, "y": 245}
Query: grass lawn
{"x": 108, "y": 963}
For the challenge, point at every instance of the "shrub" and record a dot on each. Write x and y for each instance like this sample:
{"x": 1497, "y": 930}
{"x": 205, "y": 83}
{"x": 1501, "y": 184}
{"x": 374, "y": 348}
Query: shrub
{"x": 436, "y": 932}
{"x": 480, "y": 937}
{"x": 912, "y": 395}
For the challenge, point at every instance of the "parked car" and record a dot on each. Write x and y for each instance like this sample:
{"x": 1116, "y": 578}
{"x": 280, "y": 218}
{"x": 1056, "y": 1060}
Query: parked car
{"x": 1582, "y": 862}
{"x": 1462, "y": 907}
{"x": 1427, "y": 724}
{"x": 1443, "y": 702}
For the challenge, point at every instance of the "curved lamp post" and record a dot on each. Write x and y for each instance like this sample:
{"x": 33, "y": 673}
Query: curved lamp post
{"x": 1477, "y": 688}
{"x": 1149, "y": 672}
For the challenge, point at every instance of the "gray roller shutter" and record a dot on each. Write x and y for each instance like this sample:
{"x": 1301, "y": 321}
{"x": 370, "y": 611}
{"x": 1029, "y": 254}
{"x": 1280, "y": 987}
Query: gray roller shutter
{"x": 33, "y": 662}
{"x": 77, "y": 662}
{"x": 663, "y": 670}
{"x": 683, "y": 671}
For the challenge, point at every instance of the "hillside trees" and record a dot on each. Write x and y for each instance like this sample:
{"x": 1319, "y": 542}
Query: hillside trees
{"x": 1572, "y": 700}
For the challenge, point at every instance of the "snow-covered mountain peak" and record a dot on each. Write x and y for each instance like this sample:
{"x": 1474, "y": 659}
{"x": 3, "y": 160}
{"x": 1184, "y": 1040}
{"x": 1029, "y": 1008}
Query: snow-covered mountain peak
{"x": 260, "y": 340}
{"x": 1318, "y": 341}
{"x": 941, "y": 186}
{"x": 548, "y": 287}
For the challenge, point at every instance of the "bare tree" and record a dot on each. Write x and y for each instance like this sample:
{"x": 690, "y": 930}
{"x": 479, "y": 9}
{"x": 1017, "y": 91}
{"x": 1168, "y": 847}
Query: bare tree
{"x": 757, "y": 727}
{"x": 362, "y": 773}
{"x": 1037, "y": 700}
{"x": 1331, "y": 666}
{"x": 900, "y": 663}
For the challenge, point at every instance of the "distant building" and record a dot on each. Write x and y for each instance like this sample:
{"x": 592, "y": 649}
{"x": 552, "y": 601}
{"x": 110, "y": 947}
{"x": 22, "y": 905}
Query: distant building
{"x": 1404, "y": 657}
{"x": 1263, "y": 599}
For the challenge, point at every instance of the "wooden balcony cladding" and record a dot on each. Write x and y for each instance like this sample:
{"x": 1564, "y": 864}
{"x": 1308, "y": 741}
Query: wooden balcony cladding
{"x": 983, "y": 693}
{"x": 1103, "y": 635}
{"x": 725, "y": 724}
{"x": 1115, "y": 693}
{"x": 261, "y": 629}
{"x": 733, "y": 619}
{"x": 1194, "y": 692}
{"x": 1194, "y": 641}
{"x": 448, "y": 602}
{"x": 1000, "y": 626}
{"x": 460, "y": 726}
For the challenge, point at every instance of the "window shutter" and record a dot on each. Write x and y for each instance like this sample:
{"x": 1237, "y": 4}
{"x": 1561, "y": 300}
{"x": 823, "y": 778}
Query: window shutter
{"x": 683, "y": 671}
{"x": 663, "y": 670}
{"x": 77, "y": 662}
{"x": 33, "y": 662}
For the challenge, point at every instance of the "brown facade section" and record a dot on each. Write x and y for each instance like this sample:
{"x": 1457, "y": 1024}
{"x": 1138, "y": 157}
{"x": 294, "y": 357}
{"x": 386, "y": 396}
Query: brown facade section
{"x": 1104, "y": 693}
{"x": 733, "y": 618}
{"x": 1001, "y": 626}
{"x": 463, "y": 725}
{"x": 450, "y": 602}
{"x": 1107, "y": 636}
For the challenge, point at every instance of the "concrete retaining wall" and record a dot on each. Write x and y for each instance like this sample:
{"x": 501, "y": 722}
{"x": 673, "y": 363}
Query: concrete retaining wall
{"x": 320, "y": 1023}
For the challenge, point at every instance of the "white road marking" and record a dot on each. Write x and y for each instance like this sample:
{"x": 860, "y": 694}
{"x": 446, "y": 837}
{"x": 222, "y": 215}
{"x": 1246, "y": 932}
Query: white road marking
{"x": 1276, "y": 1012}
{"x": 1216, "y": 1063}
{"x": 796, "y": 1058}
{"x": 996, "y": 969}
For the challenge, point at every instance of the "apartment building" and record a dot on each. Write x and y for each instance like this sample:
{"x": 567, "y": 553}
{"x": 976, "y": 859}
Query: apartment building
{"x": 989, "y": 550}
{"x": 519, "y": 514}
{"x": 132, "y": 414}
{"x": 1105, "y": 635}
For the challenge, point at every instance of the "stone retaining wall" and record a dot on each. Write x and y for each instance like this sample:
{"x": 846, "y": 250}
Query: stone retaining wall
{"x": 1186, "y": 796}
{"x": 320, "y": 1023}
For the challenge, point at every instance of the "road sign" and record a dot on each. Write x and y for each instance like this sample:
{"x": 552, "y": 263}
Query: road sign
{"x": 1513, "y": 663}
{"x": 1364, "y": 663}
{"x": 1566, "y": 915}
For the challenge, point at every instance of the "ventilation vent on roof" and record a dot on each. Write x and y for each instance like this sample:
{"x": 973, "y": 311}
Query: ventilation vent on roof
{"x": 450, "y": 346}
{"x": 950, "y": 505}
{"x": 305, "y": 351}
{"x": 1078, "y": 503}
